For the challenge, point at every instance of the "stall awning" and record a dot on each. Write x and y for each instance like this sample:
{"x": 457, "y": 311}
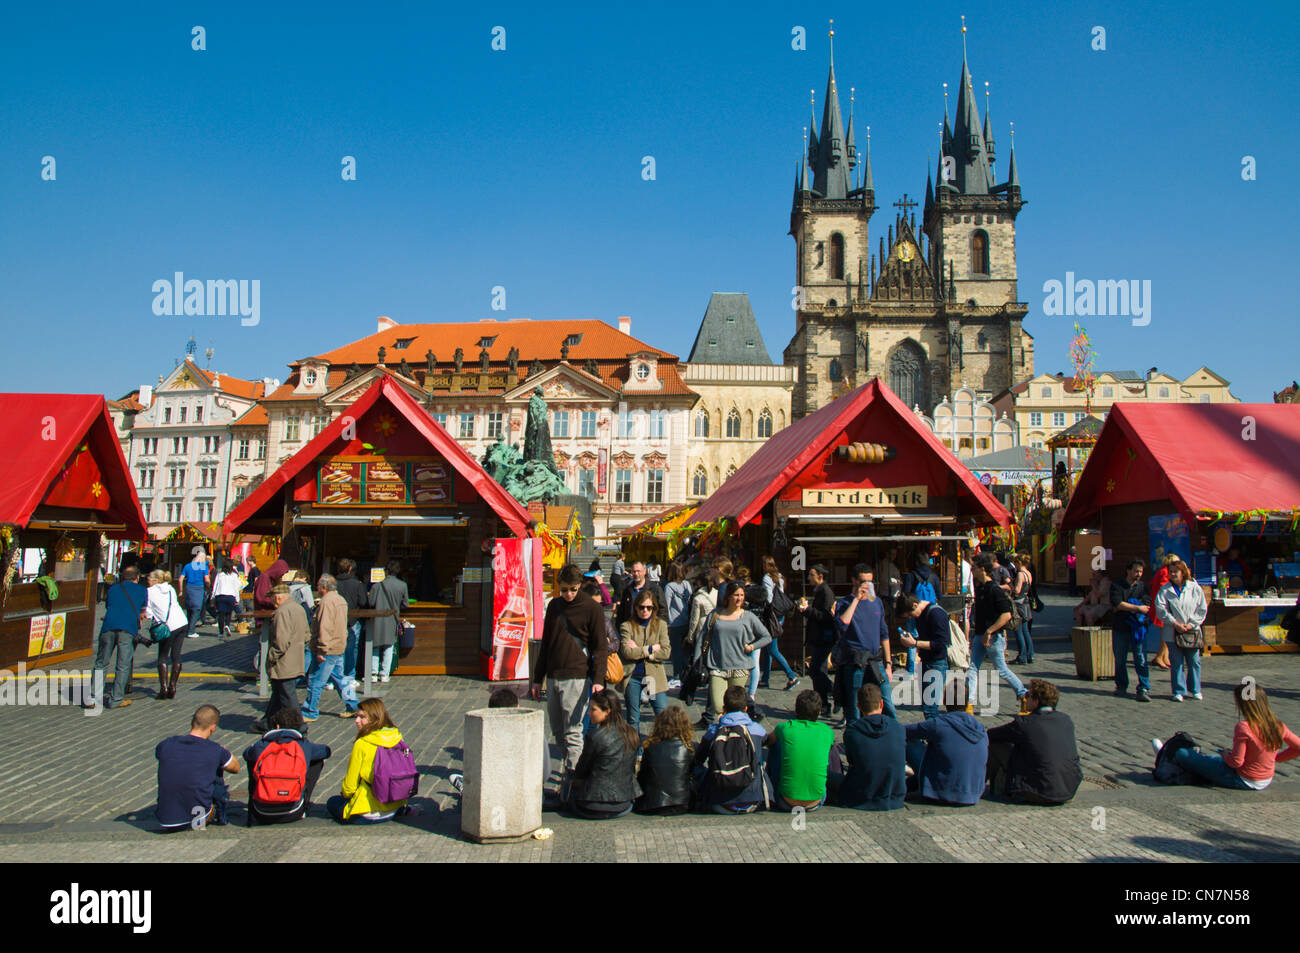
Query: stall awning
{"x": 660, "y": 526}
{"x": 392, "y": 409}
{"x": 205, "y": 532}
{"x": 62, "y": 450}
{"x": 1204, "y": 458}
{"x": 798, "y": 454}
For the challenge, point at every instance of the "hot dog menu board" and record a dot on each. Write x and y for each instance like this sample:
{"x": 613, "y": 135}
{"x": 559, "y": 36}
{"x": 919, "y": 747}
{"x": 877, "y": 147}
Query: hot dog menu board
{"x": 388, "y": 482}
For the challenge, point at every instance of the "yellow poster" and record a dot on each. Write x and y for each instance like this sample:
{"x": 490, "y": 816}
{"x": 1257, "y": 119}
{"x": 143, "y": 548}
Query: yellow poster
{"x": 54, "y": 634}
{"x": 36, "y": 634}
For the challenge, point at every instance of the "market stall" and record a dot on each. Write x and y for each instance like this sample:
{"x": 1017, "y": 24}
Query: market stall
{"x": 1218, "y": 484}
{"x": 383, "y": 482}
{"x": 655, "y": 536}
{"x": 66, "y": 488}
{"x": 850, "y": 483}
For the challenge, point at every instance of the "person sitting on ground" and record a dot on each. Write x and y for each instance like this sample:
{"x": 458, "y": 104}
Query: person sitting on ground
{"x": 358, "y": 804}
{"x": 277, "y": 794}
{"x": 802, "y": 756}
{"x": 1034, "y": 759}
{"x": 874, "y": 746}
{"x": 666, "y": 756}
{"x": 717, "y": 789}
{"x": 191, "y": 794}
{"x": 1259, "y": 742}
{"x": 605, "y": 784}
{"x": 949, "y": 753}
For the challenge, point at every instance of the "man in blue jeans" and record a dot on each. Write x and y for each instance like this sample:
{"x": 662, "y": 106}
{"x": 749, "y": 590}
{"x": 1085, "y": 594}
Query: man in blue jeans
{"x": 931, "y": 645}
{"x": 328, "y": 641}
{"x": 863, "y": 648}
{"x": 1129, "y": 631}
{"x": 988, "y": 635}
{"x": 353, "y": 592}
{"x": 194, "y": 581}
{"x": 124, "y": 608}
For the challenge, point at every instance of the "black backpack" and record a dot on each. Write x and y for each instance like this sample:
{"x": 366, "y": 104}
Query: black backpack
{"x": 1166, "y": 770}
{"x": 781, "y": 604}
{"x": 733, "y": 761}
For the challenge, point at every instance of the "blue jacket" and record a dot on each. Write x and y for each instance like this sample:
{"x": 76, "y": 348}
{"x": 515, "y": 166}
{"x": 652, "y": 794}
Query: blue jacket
{"x": 867, "y": 630}
{"x": 122, "y": 607}
{"x": 877, "y": 776}
{"x": 956, "y": 755}
{"x": 752, "y": 794}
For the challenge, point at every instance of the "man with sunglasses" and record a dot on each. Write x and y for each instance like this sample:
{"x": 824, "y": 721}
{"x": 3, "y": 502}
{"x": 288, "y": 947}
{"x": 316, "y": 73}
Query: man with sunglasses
{"x": 571, "y": 660}
{"x": 638, "y": 582}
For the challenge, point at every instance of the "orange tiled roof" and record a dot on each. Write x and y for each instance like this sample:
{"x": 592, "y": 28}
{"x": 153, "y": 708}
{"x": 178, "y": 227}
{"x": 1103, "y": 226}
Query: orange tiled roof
{"x": 255, "y": 416}
{"x": 235, "y": 386}
{"x": 130, "y": 403}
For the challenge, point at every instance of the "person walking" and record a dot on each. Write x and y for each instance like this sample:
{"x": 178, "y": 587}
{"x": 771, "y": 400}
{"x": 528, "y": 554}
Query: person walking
{"x": 1181, "y": 606}
{"x": 728, "y": 646}
{"x": 819, "y": 623}
{"x": 930, "y": 622}
{"x": 194, "y": 581}
{"x": 571, "y": 664}
{"x": 644, "y": 647}
{"x": 1259, "y": 742}
{"x": 1022, "y": 588}
{"x": 225, "y": 597}
{"x": 329, "y": 640}
{"x": 125, "y": 607}
{"x": 923, "y": 582}
{"x": 988, "y": 636}
{"x": 862, "y": 653}
{"x": 165, "y": 607}
{"x": 391, "y": 594}
{"x": 1129, "y": 632}
{"x": 774, "y": 582}
{"x": 677, "y": 593}
{"x": 289, "y": 634}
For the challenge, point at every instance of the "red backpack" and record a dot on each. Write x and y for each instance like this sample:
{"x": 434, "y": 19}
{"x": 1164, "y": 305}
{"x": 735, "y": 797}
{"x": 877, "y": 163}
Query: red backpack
{"x": 280, "y": 775}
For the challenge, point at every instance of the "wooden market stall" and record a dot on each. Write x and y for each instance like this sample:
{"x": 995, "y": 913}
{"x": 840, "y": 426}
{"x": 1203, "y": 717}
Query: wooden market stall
{"x": 654, "y": 536}
{"x": 847, "y": 484}
{"x": 1201, "y": 480}
{"x": 385, "y": 481}
{"x": 66, "y": 487}
{"x": 176, "y": 547}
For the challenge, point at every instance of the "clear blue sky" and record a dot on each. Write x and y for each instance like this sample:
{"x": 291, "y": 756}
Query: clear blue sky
{"x": 522, "y": 169}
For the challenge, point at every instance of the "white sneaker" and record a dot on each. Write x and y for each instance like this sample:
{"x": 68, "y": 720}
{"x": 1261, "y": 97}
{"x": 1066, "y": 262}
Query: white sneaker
{"x": 1199, "y": 697}
{"x": 384, "y": 679}
{"x": 1156, "y": 745}
{"x": 1178, "y": 698}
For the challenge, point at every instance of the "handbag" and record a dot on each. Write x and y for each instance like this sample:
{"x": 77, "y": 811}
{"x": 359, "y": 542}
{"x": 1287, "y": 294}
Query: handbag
{"x": 1188, "y": 641}
{"x": 160, "y": 631}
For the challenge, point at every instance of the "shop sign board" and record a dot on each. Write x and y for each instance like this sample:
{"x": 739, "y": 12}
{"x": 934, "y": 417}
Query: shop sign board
{"x": 366, "y": 481}
{"x": 871, "y": 497}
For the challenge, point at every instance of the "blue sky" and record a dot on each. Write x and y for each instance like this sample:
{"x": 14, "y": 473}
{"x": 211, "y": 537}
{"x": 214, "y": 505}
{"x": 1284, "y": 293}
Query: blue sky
{"x": 522, "y": 168}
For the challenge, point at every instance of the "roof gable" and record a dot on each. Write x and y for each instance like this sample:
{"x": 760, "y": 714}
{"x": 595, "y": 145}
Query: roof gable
{"x": 729, "y": 333}
{"x": 565, "y": 382}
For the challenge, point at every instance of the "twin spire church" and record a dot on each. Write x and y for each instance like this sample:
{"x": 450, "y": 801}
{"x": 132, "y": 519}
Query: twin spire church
{"x": 928, "y": 309}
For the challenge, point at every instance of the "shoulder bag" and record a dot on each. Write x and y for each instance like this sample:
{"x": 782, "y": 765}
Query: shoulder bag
{"x": 1189, "y": 641}
{"x": 161, "y": 631}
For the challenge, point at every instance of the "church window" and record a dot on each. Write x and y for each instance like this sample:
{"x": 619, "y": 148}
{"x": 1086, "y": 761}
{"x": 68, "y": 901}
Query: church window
{"x": 733, "y": 424}
{"x": 731, "y": 471}
{"x": 982, "y": 341}
{"x": 702, "y": 424}
{"x": 906, "y": 375}
{"x": 765, "y": 424}
{"x": 832, "y": 303}
{"x": 700, "y": 483}
{"x": 834, "y": 372}
{"x": 979, "y": 252}
{"x": 837, "y": 256}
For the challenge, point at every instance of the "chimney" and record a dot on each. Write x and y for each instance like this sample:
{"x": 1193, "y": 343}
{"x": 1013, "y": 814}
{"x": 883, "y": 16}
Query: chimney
{"x": 385, "y": 323}
{"x": 146, "y": 395}
{"x": 625, "y": 325}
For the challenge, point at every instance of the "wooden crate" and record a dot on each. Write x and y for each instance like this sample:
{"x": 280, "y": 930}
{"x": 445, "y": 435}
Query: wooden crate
{"x": 1094, "y": 658}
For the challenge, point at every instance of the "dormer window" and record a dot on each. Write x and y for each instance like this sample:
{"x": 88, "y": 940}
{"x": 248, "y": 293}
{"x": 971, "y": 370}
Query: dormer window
{"x": 401, "y": 344}
{"x": 309, "y": 378}
{"x": 485, "y": 342}
{"x": 643, "y": 372}
{"x": 573, "y": 340}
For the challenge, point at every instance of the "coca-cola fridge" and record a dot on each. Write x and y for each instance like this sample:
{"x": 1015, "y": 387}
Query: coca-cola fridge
{"x": 516, "y": 606}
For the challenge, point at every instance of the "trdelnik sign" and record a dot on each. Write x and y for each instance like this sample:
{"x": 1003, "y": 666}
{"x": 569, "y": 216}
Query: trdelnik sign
{"x": 895, "y": 497}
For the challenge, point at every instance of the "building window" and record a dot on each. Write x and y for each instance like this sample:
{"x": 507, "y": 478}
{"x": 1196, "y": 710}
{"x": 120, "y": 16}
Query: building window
{"x": 184, "y": 411}
{"x": 982, "y": 341}
{"x": 180, "y": 444}
{"x": 466, "y": 431}
{"x": 167, "y": 415}
{"x": 1079, "y": 415}
{"x": 907, "y": 376}
{"x": 1035, "y": 419}
{"x": 658, "y": 424}
{"x": 145, "y": 481}
{"x": 643, "y": 372}
{"x": 261, "y": 449}
{"x": 211, "y": 444}
{"x": 242, "y": 453}
{"x": 1045, "y": 392}
{"x": 310, "y": 378}
{"x": 1164, "y": 392}
{"x": 834, "y": 372}
{"x": 401, "y": 344}
{"x": 765, "y": 424}
{"x": 559, "y": 423}
{"x": 1037, "y": 444}
{"x": 146, "y": 507}
{"x": 1058, "y": 419}
{"x": 495, "y": 427}
{"x": 702, "y": 423}
{"x": 205, "y": 511}
{"x": 318, "y": 423}
{"x": 486, "y": 342}
{"x": 622, "y": 486}
{"x": 1108, "y": 392}
{"x": 982, "y": 443}
{"x": 731, "y": 471}
{"x": 573, "y": 340}
{"x": 198, "y": 414}
{"x": 1204, "y": 399}
{"x": 733, "y": 424}
{"x": 587, "y": 484}
{"x": 837, "y": 256}
{"x": 291, "y": 428}
{"x": 442, "y": 420}
{"x": 979, "y": 252}
{"x": 625, "y": 423}
{"x": 654, "y": 486}
{"x": 587, "y": 423}
{"x": 700, "y": 483}
{"x": 963, "y": 443}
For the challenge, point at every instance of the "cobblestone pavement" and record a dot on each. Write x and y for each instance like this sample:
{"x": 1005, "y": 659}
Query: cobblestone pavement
{"x": 77, "y": 788}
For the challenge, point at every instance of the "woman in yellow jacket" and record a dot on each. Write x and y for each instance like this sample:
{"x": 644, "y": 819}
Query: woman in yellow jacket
{"x": 357, "y": 804}
{"x": 644, "y": 646}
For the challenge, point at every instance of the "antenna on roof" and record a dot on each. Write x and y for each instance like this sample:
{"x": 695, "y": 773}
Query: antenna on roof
{"x": 208, "y": 354}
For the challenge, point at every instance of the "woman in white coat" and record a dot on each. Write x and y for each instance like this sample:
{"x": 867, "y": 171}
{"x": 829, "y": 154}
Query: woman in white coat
{"x": 1180, "y": 604}
{"x": 165, "y": 606}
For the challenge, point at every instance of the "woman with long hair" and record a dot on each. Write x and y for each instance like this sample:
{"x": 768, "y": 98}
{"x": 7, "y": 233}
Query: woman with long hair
{"x": 772, "y": 581}
{"x": 358, "y": 803}
{"x": 1181, "y": 606}
{"x": 225, "y": 597}
{"x": 165, "y": 606}
{"x": 728, "y": 646}
{"x": 1158, "y": 581}
{"x": 666, "y": 759}
{"x": 1256, "y": 742}
{"x": 1021, "y": 587}
{"x": 644, "y": 647}
{"x": 605, "y": 783}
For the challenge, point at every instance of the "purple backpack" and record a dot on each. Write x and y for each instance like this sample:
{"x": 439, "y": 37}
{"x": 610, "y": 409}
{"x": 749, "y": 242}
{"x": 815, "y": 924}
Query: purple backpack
{"x": 396, "y": 777}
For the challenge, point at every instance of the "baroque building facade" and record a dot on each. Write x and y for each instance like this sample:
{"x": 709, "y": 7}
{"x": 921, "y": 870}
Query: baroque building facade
{"x": 933, "y": 308}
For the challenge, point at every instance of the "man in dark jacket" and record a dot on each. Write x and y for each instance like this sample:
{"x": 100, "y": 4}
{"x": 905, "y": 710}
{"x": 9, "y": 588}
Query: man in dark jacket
{"x": 819, "y": 625}
{"x": 1128, "y": 632}
{"x": 949, "y": 753}
{"x": 353, "y": 591}
{"x": 875, "y": 747}
{"x": 286, "y": 725}
{"x": 571, "y": 663}
{"x": 988, "y": 631}
{"x": 863, "y": 650}
{"x": 929, "y": 638}
{"x": 1035, "y": 758}
{"x": 637, "y": 583}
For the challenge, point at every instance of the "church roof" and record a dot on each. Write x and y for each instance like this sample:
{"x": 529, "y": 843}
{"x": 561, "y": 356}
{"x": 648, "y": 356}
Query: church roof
{"x": 729, "y": 333}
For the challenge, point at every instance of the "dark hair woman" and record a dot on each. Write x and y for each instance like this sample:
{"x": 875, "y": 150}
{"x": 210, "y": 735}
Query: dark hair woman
{"x": 665, "y": 775}
{"x": 605, "y": 779}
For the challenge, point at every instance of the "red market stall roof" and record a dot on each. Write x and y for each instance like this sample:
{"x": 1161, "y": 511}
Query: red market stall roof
{"x": 61, "y": 450}
{"x": 367, "y": 421}
{"x": 798, "y": 456}
{"x": 1205, "y": 458}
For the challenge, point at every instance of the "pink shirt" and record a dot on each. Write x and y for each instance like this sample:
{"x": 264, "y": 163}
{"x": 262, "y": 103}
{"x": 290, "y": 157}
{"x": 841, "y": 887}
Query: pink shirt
{"x": 1248, "y": 757}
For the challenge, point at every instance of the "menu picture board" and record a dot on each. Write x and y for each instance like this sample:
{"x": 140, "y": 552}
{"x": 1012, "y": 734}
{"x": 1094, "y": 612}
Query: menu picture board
{"x": 388, "y": 482}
